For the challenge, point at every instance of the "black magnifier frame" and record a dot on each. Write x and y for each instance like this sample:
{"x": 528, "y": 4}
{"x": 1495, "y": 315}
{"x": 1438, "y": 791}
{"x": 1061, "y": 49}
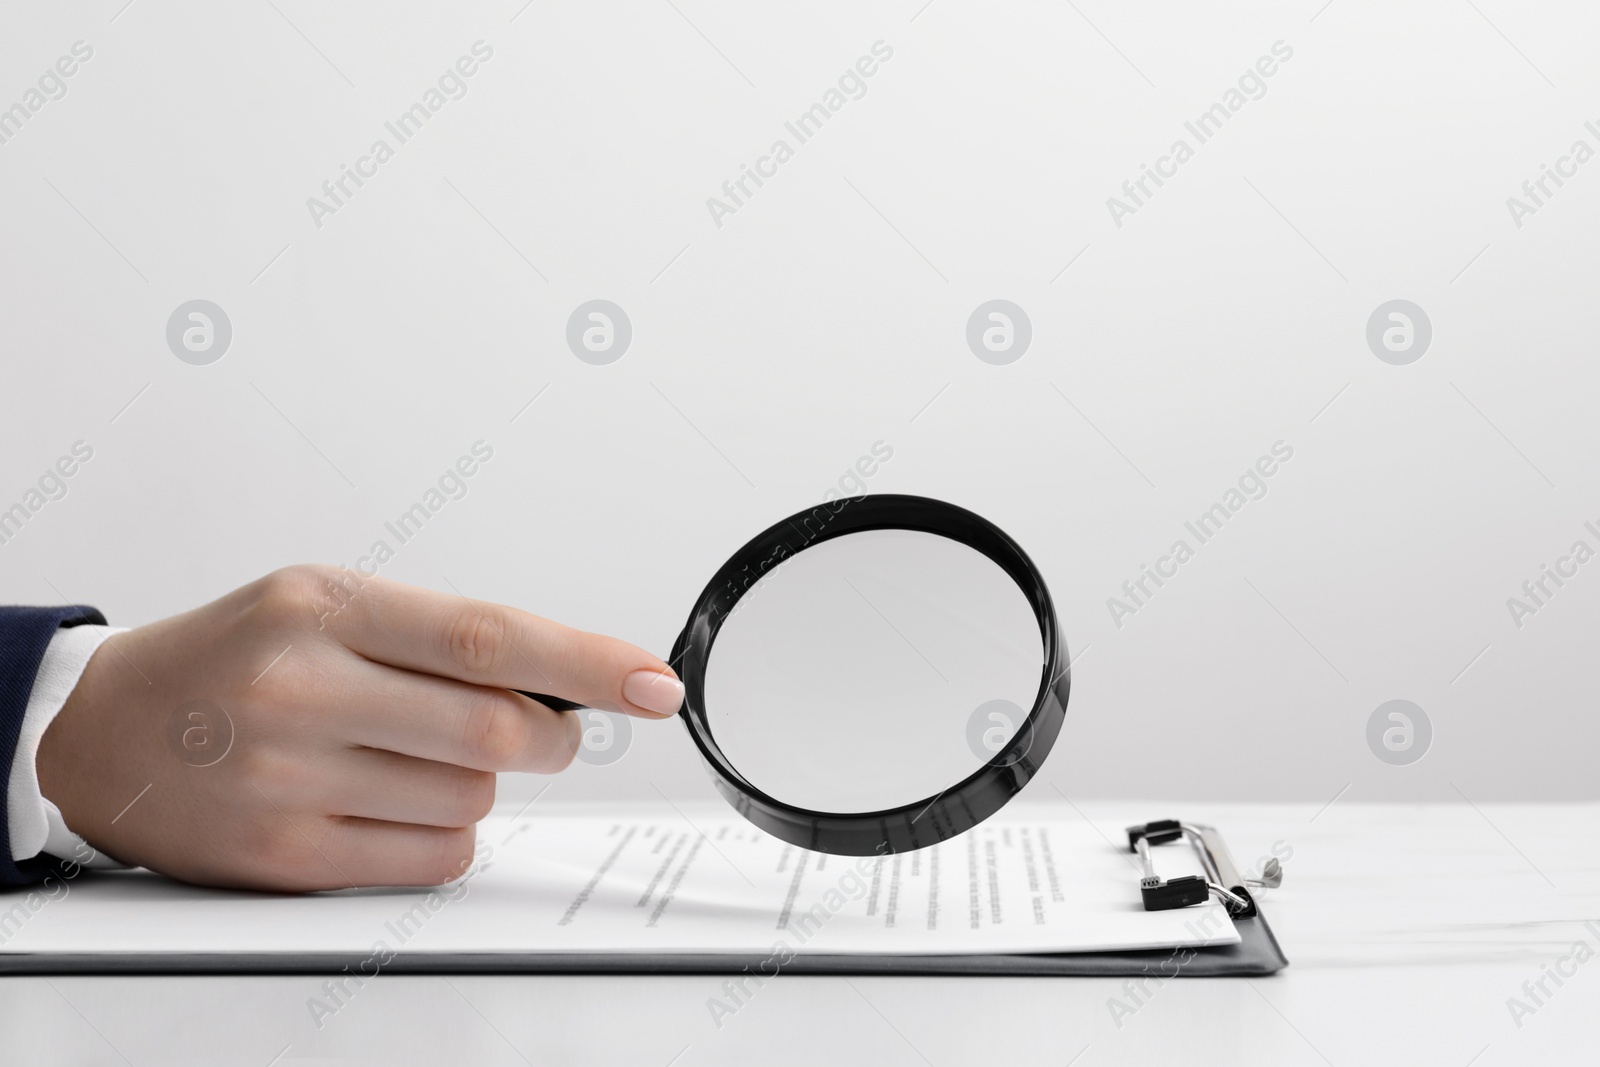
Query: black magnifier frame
{"x": 959, "y": 807}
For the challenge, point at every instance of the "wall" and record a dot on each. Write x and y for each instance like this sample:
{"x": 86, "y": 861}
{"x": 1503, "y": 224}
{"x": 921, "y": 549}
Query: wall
{"x": 1175, "y": 339}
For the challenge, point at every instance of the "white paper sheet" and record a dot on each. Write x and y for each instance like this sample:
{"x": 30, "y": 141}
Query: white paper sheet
{"x": 660, "y": 880}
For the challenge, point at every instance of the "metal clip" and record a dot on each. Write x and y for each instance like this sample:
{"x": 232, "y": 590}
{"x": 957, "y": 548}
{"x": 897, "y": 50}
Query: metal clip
{"x": 1221, "y": 879}
{"x": 1271, "y": 875}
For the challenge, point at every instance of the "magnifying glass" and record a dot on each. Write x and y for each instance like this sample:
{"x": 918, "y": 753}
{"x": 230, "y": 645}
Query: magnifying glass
{"x": 874, "y": 675}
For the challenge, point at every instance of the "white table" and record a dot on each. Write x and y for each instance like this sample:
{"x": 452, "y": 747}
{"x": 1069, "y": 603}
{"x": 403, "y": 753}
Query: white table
{"x": 1408, "y": 929}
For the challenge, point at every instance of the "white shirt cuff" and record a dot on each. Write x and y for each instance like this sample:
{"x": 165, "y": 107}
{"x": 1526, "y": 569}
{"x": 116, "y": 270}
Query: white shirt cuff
{"x": 35, "y": 824}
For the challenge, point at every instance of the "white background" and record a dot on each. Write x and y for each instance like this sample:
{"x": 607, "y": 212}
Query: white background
{"x": 772, "y": 352}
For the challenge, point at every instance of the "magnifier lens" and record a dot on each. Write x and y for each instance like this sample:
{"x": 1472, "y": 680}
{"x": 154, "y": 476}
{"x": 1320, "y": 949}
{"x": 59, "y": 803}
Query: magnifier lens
{"x": 872, "y": 671}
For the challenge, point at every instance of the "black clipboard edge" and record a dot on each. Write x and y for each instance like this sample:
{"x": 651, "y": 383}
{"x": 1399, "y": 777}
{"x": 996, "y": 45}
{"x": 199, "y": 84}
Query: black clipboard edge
{"x": 1257, "y": 953}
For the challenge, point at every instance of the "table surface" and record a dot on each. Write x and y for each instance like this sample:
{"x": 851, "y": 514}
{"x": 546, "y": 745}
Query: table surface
{"x": 1415, "y": 934}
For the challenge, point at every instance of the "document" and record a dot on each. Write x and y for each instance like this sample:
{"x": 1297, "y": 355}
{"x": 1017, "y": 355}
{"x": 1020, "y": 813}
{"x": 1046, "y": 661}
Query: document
{"x": 662, "y": 880}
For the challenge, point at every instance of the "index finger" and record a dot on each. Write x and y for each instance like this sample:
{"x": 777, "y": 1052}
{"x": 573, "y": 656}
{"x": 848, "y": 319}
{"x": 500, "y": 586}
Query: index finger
{"x": 448, "y": 635}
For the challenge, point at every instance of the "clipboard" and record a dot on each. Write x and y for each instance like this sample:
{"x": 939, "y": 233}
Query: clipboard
{"x": 1257, "y": 951}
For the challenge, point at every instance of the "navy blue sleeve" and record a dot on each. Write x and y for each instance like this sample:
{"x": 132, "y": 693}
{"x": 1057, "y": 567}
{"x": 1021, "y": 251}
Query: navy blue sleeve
{"x": 24, "y": 635}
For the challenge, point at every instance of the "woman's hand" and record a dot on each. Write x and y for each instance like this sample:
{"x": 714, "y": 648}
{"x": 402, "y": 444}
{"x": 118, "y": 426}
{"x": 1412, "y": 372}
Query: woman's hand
{"x": 318, "y": 730}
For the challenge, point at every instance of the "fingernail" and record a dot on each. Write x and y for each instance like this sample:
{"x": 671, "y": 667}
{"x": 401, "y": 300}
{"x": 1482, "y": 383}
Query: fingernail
{"x": 654, "y": 691}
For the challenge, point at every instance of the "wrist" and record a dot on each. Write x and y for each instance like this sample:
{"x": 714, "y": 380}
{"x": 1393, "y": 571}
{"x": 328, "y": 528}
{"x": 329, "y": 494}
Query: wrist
{"x": 67, "y": 778}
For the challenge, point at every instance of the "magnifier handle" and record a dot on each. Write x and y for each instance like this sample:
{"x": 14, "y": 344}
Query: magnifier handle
{"x": 553, "y": 703}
